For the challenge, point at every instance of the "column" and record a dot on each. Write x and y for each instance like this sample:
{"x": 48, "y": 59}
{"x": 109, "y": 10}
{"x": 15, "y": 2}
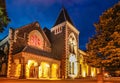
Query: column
{"x": 89, "y": 71}
{"x": 23, "y": 68}
{"x": 50, "y": 70}
{"x": 59, "y": 73}
{"x": 39, "y": 71}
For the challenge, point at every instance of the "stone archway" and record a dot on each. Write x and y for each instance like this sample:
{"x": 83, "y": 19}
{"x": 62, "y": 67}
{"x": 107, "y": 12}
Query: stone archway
{"x": 32, "y": 69}
{"x": 72, "y": 66}
{"x": 72, "y": 57}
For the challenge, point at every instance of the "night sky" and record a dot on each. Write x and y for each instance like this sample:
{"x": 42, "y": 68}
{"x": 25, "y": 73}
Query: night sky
{"x": 84, "y": 13}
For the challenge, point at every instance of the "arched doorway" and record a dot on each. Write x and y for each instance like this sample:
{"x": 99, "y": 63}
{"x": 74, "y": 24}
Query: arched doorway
{"x": 73, "y": 68}
{"x": 32, "y": 69}
{"x": 72, "y": 58}
{"x": 44, "y": 70}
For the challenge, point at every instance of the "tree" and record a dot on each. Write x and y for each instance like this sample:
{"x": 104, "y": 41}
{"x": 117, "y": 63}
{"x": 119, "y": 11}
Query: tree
{"x": 104, "y": 47}
{"x": 4, "y": 20}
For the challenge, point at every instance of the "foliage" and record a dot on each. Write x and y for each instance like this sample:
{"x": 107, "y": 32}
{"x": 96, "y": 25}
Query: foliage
{"x": 104, "y": 47}
{"x": 4, "y": 20}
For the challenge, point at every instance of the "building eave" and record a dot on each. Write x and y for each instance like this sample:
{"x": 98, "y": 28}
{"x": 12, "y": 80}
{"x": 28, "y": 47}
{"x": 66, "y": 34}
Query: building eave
{"x": 72, "y": 27}
{"x": 4, "y": 40}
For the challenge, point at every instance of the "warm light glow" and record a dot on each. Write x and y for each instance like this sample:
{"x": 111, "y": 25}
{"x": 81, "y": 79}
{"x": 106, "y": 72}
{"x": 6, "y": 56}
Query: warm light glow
{"x": 87, "y": 69}
{"x": 27, "y": 71}
{"x": 54, "y": 71}
{"x": 44, "y": 70}
{"x": 83, "y": 73}
{"x": 28, "y": 66}
{"x": 18, "y": 70}
{"x": 84, "y": 70}
{"x": 30, "y": 62}
{"x": 93, "y": 72}
{"x": 40, "y": 72}
{"x": 72, "y": 58}
{"x": 106, "y": 74}
{"x": 98, "y": 70}
{"x": 73, "y": 67}
{"x": 35, "y": 39}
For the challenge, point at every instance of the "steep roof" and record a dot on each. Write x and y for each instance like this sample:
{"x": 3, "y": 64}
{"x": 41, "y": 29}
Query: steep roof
{"x": 63, "y": 16}
{"x": 22, "y": 36}
{"x": 48, "y": 33}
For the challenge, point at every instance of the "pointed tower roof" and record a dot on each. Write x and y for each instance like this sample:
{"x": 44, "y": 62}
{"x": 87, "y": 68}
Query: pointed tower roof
{"x": 63, "y": 16}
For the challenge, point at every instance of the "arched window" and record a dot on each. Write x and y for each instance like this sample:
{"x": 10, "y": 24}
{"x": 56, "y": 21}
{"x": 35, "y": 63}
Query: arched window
{"x": 44, "y": 70}
{"x": 35, "y": 39}
{"x": 73, "y": 70}
{"x": 72, "y": 62}
{"x": 72, "y": 43}
{"x": 32, "y": 69}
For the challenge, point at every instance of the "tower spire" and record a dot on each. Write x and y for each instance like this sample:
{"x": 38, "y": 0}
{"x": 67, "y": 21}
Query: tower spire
{"x": 63, "y": 16}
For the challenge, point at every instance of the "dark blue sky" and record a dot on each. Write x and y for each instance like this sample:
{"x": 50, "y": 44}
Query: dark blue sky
{"x": 84, "y": 13}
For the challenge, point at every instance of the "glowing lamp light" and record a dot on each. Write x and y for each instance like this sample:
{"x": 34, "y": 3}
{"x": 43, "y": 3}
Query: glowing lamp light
{"x": 54, "y": 71}
{"x": 106, "y": 74}
{"x": 47, "y": 65}
{"x": 93, "y": 72}
{"x": 84, "y": 74}
{"x": 40, "y": 72}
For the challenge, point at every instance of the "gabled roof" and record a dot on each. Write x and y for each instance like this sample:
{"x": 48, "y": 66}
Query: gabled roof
{"x": 22, "y": 34}
{"x": 32, "y": 26}
{"x": 63, "y": 16}
{"x": 48, "y": 33}
{"x": 4, "y": 40}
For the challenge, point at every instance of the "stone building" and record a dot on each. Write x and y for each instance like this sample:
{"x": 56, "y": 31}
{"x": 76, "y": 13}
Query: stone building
{"x": 33, "y": 52}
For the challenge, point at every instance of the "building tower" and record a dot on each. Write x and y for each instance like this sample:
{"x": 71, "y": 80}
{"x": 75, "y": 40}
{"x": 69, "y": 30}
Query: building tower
{"x": 65, "y": 44}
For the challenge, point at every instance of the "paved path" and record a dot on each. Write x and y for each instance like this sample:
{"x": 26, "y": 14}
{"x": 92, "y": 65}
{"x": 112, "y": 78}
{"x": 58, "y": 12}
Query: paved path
{"x": 6, "y": 80}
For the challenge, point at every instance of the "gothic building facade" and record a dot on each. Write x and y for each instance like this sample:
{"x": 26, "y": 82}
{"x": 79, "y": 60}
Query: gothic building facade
{"x": 33, "y": 52}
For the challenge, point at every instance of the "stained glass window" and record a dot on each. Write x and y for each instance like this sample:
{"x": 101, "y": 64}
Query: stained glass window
{"x": 35, "y": 39}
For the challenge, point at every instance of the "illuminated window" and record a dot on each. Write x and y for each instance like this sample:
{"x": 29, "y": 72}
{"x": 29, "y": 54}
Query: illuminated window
{"x": 72, "y": 43}
{"x": 35, "y": 39}
{"x": 73, "y": 68}
{"x": 57, "y": 30}
{"x": 71, "y": 64}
